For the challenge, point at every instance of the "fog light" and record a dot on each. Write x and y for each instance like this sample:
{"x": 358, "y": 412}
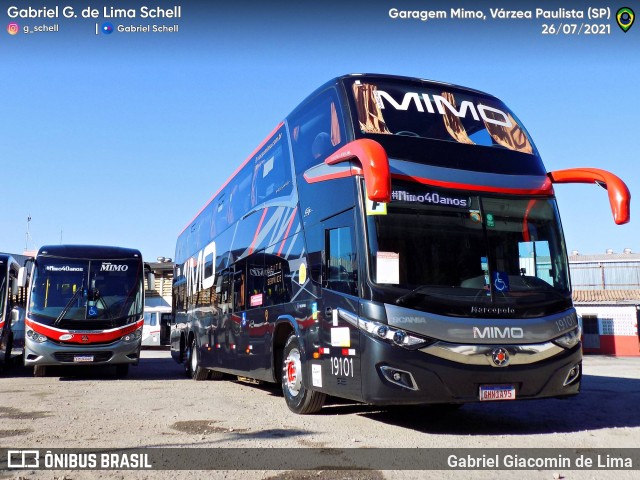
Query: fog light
{"x": 399, "y": 377}
{"x": 573, "y": 375}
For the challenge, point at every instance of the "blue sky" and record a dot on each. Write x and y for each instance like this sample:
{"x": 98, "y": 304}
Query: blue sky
{"x": 120, "y": 139}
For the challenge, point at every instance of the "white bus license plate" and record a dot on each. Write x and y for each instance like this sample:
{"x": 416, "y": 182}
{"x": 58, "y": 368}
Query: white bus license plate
{"x": 490, "y": 393}
{"x": 82, "y": 358}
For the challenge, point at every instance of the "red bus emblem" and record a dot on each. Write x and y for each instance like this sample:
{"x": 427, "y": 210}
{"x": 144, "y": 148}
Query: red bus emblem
{"x": 500, "y": 357}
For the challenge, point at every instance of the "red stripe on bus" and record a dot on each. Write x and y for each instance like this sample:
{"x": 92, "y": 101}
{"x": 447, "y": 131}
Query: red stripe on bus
{"x": 233, "y": 175}
{"x": 101, "y": 337}
{"x": 545, "y": 189}
{"x": 286, "y": 234}
{"x": 255, "y": 237}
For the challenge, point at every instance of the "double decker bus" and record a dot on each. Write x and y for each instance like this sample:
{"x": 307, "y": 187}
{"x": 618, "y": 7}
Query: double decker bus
{"x": 11, "y": 311}
{"x": 84, "y": 307}
{"x": 393, "y": 241}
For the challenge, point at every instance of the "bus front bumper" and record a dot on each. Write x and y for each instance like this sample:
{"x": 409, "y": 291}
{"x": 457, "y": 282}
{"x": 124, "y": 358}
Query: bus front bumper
{"x": 394, "y": 375}
{"x": 54, "y": 353}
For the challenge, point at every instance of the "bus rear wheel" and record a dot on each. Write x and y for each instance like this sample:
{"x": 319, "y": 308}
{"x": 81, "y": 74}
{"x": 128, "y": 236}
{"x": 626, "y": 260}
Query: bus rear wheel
{"x": 299, "y": 399}
{"x": 192, "y": 364}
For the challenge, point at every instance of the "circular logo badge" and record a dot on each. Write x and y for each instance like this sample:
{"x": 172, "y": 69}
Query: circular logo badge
{"x": 107, "y": 28}
{"x": 66, "y": 336}
{"x": 500, "y": 357}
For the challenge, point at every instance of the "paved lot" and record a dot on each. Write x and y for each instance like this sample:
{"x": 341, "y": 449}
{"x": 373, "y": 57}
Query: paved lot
{"x": 157, "y": 406}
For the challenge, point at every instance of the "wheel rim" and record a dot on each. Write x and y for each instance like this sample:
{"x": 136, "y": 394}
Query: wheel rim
{"x": 194, "y": 358}
{"x": 293, "y": 372}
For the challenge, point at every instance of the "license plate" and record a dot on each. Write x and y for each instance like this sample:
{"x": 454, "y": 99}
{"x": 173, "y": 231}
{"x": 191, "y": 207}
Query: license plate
{"x": 82, "y": 358}
{"x": 489, "y": 393}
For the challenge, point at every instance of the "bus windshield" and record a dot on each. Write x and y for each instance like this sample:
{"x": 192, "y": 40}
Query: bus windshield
{"x": 67, "y": 291}
{"x": 463, "y": 254}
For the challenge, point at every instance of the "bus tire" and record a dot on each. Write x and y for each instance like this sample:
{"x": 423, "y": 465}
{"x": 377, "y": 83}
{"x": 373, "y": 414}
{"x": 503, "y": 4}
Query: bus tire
{"x": 299, "y": 399}
{"x": 7, "y": 353}
{"x": 39, "y": 370}
{"x": 214, "y": 375}
{"x": 122, "y": 370}
{"x": 194, "y": 370}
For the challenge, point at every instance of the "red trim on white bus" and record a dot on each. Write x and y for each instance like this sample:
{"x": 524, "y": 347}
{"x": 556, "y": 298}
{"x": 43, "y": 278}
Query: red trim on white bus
{"x": 100, "y": 336}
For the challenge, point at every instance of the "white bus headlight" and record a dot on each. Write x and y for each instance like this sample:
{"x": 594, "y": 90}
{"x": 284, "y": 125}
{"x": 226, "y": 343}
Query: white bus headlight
{"x": 133, "y": 336}
{"x": 570, "y": 339}
{"x": 36, "y": 337}
{"x": 393, "y": 335}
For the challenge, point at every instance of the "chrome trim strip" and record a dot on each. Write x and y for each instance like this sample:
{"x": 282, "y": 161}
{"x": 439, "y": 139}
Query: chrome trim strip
{"x": 349, "y": 317}
{"x": 481, "y": 354}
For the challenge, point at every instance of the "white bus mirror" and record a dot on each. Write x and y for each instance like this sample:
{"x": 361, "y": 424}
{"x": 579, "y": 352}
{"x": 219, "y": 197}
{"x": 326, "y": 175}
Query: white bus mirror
{"x": 17, "y": 315}
{"x": 22, "y": 278}
{"x": 151, "y": 281}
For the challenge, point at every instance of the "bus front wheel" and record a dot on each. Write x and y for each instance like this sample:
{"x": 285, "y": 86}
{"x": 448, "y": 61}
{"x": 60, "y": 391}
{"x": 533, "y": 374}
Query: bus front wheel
{"x": 299, "y": 399}
{"x": 39, "y": 370}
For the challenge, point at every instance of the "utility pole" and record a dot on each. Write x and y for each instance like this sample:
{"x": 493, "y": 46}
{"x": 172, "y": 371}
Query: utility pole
{"x": 27, "y": 235}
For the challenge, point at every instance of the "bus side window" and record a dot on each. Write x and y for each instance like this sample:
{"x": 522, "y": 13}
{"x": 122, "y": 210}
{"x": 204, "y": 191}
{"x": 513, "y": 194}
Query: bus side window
{"x": 341, "y": 263}
{"x": 316, "y": 131}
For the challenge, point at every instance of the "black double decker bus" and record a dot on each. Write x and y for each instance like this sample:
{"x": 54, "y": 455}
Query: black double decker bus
{"x": 393, "y": 241}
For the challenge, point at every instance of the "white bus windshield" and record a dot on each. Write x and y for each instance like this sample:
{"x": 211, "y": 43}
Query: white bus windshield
{"x": 67, "y": 290}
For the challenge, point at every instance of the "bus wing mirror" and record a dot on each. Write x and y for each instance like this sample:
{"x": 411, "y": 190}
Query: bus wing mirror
{"x": 22, "y": 278}
{"x": 375, "y": 166}
{"x": 619, "y": 195}
{"x": 17, "y": 316}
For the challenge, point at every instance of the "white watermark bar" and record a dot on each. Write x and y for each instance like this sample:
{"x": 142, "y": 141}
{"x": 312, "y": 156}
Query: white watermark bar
{"x": 556, "y": 459}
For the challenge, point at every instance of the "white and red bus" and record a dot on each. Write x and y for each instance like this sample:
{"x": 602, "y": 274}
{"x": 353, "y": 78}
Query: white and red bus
{"x": 84, "y": 307}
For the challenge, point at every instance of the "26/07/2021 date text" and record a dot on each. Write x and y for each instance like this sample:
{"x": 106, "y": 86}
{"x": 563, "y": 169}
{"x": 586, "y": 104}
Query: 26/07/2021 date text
{"x": 576, "y": 29}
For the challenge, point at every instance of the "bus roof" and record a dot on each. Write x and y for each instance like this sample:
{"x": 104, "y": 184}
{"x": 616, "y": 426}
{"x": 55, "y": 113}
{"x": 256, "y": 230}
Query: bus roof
{"x": 98, "y": 252}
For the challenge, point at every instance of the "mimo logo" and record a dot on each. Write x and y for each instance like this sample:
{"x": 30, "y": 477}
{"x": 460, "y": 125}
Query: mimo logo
{"x": 23, "y": 459}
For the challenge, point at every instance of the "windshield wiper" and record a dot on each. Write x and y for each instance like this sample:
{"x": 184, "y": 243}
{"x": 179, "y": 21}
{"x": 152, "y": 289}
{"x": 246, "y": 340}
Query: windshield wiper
{"x": 413, "y": 293}
{"x": 68, "y": 306}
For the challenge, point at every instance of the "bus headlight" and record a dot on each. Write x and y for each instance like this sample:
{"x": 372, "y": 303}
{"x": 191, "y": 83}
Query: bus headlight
{"x": 570, "y": 339}
{"x": 133, "y": 336}
{"x": 36, "y": 337}
{"x": 393, "y": 335}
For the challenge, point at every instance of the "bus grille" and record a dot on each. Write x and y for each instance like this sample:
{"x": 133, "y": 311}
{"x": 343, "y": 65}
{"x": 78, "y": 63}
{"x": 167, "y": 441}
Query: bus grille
{"x": 66, "y": 357}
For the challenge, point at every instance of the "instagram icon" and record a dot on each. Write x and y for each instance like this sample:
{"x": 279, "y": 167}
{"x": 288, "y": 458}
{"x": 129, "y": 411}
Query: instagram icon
{"x": 13, "y": 28}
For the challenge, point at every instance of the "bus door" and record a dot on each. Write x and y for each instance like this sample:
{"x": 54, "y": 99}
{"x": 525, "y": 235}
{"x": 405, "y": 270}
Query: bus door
{"x": 253, "y": 322}
{"x": 341, "y": 367}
